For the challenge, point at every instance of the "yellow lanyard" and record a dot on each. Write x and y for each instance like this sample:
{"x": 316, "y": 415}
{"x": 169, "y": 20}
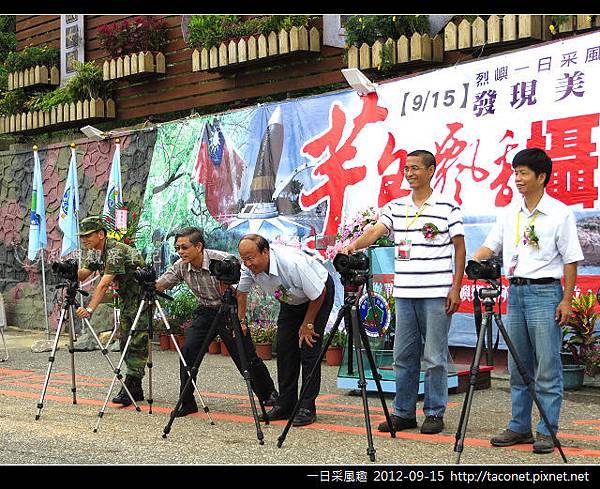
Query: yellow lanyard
{"x": 518, "y": 230}
{"x": 409, "y": 224}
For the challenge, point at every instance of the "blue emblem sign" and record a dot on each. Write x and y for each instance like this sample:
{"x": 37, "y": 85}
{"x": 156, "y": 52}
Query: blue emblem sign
{"x": 377, "y": 315}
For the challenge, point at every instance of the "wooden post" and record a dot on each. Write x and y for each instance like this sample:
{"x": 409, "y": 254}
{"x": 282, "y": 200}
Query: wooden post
{"x": 232, "y": 53}
{"x": 450, "y": 37}
{"x": 403, "y": 51}
{"x": 106, "y": 70}
{"x": 509, "y": 28}
{"x": 272, "y": 44}
{"x": 242, "y": 51}
{"x": 262, "y": 46}
{"x": 493, "y": 29}
{"x": 376, "y": 49}
{"x": 365, "y": 57}
{"x": 352, "y": 56}
{"x": 113, "y": 69}
{"x": 478, "y": 34}
{"x": 464, "y": 35}
{"x": 213, "y": 57}
{"x": 314, "y": 40}
{"x": 111, "y": 111}
{"x": 284, "y": 42}
{"x": 223, "y": 55}
{"x": 195, "y": 60}
{"x": 54, "y": 75}
{"x": 252, "y": 48}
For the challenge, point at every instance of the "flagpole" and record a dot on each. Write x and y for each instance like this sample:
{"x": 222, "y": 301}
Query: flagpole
{"x": 45, "y": 299}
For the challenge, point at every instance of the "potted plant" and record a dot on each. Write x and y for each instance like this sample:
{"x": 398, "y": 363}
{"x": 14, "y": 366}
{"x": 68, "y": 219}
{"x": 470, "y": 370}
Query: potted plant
{"x": 333, "y": 355}
{"x": 214, "y": 348}
{"x": 263, "y": 334}
{"x": 134, "y": 46}
{"x": 33, "y": 66}
{"x": 580, "y": 339}
{"x": 182, "y": 310}
{"x": 164, "y": 339}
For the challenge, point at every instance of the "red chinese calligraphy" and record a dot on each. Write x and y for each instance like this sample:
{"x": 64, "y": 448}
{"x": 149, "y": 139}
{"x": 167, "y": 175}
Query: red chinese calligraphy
{"x": 505, "y": 193}
{"x": 339, "y": 178}
{"x": 572, "y": 179}
{"x": 390, "y": 184}
{"x": 447, "y": 155}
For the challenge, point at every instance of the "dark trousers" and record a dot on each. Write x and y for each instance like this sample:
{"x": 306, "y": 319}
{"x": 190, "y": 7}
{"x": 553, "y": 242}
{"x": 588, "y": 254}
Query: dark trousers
{"x": 196, "y": 334}
{"x": 290, "y": 358}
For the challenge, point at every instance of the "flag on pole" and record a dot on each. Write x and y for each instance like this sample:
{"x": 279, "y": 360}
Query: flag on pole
{"x": 37, "y": 220}
{"x": 114, "y": 192}
{"x": 68, "y": 216}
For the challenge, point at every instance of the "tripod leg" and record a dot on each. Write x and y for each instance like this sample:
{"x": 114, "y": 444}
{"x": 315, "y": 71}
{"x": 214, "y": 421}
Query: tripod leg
{"x": 194, "y": 371}
{"x": 72, "y": 351}
{"x": 182, "y": 359}
{"x": 149, "y": 362}
{"x": 309, "y": 379}
{"x": 104, "y": 352}
{"x": 121, "y": 360}
{"x": 362, "y": 383}
{"x": 529, "y": 384}
{"x": 51, "y": 358}
{"x": 237, "y": 331}
{"x": 376, "y": 378}
{"x": 474, "y": 371}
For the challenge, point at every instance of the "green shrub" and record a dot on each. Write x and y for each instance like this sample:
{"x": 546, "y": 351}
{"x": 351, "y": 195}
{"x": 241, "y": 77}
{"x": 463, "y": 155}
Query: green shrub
{"x": 88, "y": 82}
{"x": 206, "y": 31}
{"x": 31, "y": 57}
{"x": 370, "y": 28}
{"x": 13, "y": 102}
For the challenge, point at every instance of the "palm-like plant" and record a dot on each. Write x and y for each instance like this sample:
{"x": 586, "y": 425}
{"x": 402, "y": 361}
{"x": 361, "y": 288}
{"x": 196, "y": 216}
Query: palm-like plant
{"x": 579, "y": 331}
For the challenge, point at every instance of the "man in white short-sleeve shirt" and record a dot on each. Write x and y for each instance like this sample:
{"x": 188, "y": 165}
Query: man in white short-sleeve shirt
{"x": 537, "y": 236}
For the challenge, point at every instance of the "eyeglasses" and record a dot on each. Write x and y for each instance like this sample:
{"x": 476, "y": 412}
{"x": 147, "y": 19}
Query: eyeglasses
{"x": 182, "y": 247}
{"x": 413, "y": 168}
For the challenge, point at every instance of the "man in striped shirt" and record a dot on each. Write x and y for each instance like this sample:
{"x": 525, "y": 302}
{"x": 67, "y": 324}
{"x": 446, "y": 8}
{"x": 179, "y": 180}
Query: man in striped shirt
{"x": 192, "y": 268}
{"x": 426, "y": 228}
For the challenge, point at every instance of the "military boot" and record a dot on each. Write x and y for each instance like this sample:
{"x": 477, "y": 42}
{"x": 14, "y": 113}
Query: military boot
{"x": 134, "y": 384}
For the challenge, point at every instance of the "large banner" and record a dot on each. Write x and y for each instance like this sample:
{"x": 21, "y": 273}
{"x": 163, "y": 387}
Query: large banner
{"x": 296, "y": 169}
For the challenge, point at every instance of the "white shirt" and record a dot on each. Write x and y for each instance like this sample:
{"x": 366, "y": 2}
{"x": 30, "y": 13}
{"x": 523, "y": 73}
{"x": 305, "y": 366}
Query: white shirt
{"x": 429, "y": 271}
{"x": 301, "y": 276}
{"x": 554, "y": 225}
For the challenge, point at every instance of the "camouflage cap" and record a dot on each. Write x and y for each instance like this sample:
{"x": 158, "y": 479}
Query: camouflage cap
{"x": 91, "y": 224}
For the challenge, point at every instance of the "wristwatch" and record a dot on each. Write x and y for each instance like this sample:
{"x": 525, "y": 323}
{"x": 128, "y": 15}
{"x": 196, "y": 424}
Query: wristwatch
{"x": 310, "y": 326}
{"x": 89, "y": 310}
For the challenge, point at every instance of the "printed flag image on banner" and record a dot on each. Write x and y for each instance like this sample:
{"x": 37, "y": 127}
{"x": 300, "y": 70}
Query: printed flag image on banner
{"x": 69, "y": 209}
{"x": 332, "y": 156}
{"x": 37, "y": 222}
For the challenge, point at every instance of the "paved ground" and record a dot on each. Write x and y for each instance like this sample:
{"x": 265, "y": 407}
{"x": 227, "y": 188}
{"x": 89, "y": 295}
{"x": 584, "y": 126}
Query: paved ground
{"x": 64, "y": 433}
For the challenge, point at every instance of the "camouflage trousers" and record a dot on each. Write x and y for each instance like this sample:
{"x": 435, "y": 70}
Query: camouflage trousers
{"x": 137, "y": 351}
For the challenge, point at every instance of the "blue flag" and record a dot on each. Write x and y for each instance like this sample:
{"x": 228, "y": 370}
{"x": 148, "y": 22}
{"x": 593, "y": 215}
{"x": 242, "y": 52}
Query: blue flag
{"x": 37, "y": 220}
{"x": 69, "y": 209}
{"x": 114, "y": 192}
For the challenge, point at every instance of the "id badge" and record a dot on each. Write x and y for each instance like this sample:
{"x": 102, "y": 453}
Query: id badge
{"x": 513, "y": 264}
{"x": 403, "y": 249}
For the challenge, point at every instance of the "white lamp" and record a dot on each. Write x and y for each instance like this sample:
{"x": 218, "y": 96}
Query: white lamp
{"x": 358, "y": 81}
{"x": 93, "y": 133}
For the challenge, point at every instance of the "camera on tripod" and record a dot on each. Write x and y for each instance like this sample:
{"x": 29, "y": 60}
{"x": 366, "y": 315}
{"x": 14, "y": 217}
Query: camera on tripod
{"x": 66, "y": 270}
{"x": 353, "y": 268}
{"x": 484, "y": 270}
{"x": 227, "y": 270}
{"x": 145, "y": 276}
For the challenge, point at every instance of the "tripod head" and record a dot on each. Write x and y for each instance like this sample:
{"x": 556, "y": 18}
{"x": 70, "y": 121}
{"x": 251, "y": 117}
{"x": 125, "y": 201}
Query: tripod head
{"x": 146, "y": 278}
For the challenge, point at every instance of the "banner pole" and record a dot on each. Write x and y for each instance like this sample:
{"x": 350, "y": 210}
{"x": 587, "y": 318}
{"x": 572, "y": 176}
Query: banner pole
{"x": 45, "y": 299}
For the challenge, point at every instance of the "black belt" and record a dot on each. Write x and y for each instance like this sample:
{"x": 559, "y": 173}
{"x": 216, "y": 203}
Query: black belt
{"x": 529, "y": 281}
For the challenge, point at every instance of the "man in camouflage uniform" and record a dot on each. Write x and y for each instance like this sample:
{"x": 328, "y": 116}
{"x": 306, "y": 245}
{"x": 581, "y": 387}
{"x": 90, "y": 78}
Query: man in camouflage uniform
{"x": 116, "y": 262}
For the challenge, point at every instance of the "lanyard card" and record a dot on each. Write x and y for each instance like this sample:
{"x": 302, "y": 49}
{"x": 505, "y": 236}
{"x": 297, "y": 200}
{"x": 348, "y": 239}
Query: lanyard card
{"x": 403, "y": 249}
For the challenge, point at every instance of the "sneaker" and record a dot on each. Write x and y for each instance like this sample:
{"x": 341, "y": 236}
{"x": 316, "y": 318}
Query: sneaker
{"x": 509, "y": 437}
{"x": 432, "y": 425}
{"x": 543, "y": 443}
{"x": 398, "y": 423}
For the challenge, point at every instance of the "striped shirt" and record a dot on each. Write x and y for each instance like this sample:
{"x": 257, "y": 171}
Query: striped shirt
{"x": 428, "y": 273}
{"x": 301, "y": 276}
{"x": 204, "y": 285}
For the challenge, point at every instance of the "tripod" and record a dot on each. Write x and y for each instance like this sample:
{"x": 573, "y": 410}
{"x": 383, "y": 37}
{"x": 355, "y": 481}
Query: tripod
{"x": 148, "y": 301}
{"x": 487, "y": 295}
{"x": 349, "y": 312}
{"x": 227, "y": 309}
{"x": 67, "y": 313}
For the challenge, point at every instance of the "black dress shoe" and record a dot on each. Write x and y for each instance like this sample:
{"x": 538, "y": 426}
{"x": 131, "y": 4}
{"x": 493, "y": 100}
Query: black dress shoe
{"x": 272, "y": 399}
{"x": 186, "y": 409}
{"x": 277, "y": 413}
{"x": 303, "y": 417}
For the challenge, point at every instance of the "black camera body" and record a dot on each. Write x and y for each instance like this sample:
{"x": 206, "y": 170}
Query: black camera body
{"x": 228, "y": 270}
{"x": 354, "y": 268}
{"x": 484, "y": 270}
{"x": 145, "y": 276}
{"x": 67, "y": 270}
